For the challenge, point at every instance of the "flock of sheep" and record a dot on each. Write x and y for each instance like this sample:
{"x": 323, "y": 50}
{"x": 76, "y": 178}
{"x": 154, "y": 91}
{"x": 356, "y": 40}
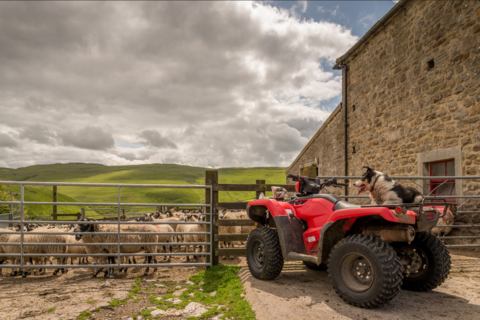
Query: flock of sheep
{"x": 147, "y": 238}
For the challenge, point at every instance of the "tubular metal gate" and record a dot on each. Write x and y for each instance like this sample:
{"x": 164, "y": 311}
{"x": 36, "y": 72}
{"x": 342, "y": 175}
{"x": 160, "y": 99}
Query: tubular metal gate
{"x": 208, "y": 233}
{"x": 464, "y": 198}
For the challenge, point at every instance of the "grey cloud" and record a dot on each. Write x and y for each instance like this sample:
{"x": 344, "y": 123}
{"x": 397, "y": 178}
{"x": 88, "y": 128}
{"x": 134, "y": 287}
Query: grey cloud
{"x": 215, "y": 76}
{"x": 93, "y": 138}
{"x": 7, "y": 141}
{"x": 306, "y": 127}
{"x": 40, "y": 134}
{"x": 154, "y": 138}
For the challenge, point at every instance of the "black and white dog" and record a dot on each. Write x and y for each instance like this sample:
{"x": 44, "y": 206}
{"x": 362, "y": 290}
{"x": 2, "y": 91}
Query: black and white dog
{"x": 383, "y": 190}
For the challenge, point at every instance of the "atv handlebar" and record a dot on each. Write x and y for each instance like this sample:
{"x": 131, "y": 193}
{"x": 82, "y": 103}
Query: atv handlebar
{"x": 294, "y": 177}
{"x": 326, "y": 183}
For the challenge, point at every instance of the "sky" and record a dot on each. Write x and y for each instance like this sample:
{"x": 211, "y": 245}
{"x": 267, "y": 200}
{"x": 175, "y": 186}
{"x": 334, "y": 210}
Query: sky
{"x": 209, "y": 84}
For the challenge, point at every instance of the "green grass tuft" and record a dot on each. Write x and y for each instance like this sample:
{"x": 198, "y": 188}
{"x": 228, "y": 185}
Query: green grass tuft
{"x": 51, "y": 309}
{"x": 84, "y": 315}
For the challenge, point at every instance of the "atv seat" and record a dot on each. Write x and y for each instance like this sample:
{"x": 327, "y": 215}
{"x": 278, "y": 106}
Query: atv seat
{"x": 341, "y": 205}
{"x": 329, "y": 197}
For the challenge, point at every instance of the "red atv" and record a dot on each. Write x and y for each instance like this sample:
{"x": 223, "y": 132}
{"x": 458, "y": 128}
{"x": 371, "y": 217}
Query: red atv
{"x": 370, "y": 251}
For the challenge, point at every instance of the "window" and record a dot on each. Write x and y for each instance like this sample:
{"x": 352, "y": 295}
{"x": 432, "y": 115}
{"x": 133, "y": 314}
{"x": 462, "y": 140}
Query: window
{"x": 311, "y": 172}
{"x": 441, "y": 169}
{"x": 431, "y": 64}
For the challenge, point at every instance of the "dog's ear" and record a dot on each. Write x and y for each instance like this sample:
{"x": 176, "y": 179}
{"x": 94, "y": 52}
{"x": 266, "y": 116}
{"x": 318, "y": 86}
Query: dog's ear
{"x": 368, "y": 168}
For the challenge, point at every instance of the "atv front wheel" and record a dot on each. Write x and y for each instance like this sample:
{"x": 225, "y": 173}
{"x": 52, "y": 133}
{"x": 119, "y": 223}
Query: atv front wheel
{"x": 264, "y": 253}
{"x": 429, "y": 262}
{"x": 365, "y": 271}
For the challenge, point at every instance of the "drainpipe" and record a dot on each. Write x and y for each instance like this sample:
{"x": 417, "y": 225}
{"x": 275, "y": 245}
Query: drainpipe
{"x": 345, "y": 108}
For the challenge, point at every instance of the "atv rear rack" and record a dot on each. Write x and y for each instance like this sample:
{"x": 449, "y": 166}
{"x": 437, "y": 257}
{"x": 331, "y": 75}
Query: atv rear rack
{"x": 424, "y": 223}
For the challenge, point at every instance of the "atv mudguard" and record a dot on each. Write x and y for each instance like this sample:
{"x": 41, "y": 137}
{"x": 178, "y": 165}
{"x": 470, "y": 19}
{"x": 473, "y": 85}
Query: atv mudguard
{"x": 282, "y": 216}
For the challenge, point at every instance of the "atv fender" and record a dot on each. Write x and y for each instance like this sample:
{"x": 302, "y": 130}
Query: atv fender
{"x": 281, "y": 217}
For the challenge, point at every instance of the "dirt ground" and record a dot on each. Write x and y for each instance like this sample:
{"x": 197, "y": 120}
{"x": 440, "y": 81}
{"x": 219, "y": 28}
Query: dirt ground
{"x": 298, "y": 290}
{"x": 308, "y": 294}
{"x": 77, "y": 291}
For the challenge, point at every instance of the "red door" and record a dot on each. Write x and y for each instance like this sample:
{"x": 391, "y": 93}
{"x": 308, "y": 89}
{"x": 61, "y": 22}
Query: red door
{"x": 442, "y": 187}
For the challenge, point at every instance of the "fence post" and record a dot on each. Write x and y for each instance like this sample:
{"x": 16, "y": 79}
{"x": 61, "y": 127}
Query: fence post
{"x": 211, "y": 197}
{"x": 257, "y": 193}
{"x": 54, "y": 213}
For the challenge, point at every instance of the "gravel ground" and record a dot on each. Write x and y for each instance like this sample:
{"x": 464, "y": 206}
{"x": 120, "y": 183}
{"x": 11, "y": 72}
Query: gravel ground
{"x": 307, "y": 294}
{"x": 77, "y": 291}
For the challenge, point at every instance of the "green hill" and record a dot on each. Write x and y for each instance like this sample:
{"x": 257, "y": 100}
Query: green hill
{"x": 137, "y": 174}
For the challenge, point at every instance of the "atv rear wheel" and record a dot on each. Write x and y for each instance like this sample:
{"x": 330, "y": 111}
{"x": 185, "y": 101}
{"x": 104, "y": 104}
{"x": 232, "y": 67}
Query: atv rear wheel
{"x": 264, "y": 253}
{"x": 429, "y": 262}
{"x": 365, "y": 271}
{"x": 313, "y": 266}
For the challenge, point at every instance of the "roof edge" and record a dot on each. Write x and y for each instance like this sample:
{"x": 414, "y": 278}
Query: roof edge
{"x": 380, "y": 23}
{"x": 323, "y": 127}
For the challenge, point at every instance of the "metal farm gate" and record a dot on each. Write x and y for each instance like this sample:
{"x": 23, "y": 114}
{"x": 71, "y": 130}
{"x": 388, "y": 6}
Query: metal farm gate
{"x": 119, "y": 204}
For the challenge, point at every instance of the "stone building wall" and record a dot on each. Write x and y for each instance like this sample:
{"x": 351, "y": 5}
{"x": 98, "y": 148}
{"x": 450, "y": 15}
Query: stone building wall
{"x": 413, "y": 97}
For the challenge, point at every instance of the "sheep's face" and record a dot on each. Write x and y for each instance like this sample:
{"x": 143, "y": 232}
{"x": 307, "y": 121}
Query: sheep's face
{"x": 82, "y": 228}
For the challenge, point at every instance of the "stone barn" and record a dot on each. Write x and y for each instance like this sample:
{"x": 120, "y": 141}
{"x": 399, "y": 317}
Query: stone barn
{"x": 411, "y": 102}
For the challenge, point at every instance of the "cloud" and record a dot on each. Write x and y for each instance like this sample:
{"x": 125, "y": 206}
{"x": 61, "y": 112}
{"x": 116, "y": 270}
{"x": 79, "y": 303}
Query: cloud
{"x": 304, "y": 4}
{"x": 209, "y": 82}
{"x": 155, "y": 139}
{"x": 367, "y": 20}
{"x": 39, "y": 133}
{"x": 7, "y": 141}
{"x": 93, "y": 138}
{"x": 323, "y": 10}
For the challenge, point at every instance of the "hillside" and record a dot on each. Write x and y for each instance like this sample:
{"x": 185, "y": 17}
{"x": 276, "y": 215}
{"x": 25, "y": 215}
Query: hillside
{"x": 142, "y": 174}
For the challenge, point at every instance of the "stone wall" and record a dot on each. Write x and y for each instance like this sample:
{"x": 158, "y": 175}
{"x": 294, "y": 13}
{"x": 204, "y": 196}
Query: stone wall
{"x": 413, "y": 88}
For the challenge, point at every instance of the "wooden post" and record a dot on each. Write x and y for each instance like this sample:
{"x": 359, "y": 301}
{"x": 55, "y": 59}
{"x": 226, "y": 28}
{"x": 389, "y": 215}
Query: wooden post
{"x": 211, "y": 178}
{"x": 54, "y": 212}
{"x": 257, "y": 193}
{"x": 83, "y": 213}
{"x": 79, "y": 215}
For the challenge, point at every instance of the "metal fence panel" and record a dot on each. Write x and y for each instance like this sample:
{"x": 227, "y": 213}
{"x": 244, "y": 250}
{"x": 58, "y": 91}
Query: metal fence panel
{"x": 7, "y": 221}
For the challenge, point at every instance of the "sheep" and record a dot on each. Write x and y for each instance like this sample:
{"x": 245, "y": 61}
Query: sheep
{"x": 182, "y": 227}
{"x": 92, "y": 237}
{"x": 55, "y": 237}
{"x": 194, "y": 237}
{"x": 76, "y": 250}
{"x": 245, "y": 229}
{"x": 228, "y": 230}
{"x": 165, "y": 237}
{"x": 4, "y": 234}
{"x": 173, "y": 225}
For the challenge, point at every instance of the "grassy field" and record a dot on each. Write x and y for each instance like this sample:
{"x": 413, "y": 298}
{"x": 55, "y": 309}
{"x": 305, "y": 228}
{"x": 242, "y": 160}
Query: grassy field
{"x": 138, "y": 174}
